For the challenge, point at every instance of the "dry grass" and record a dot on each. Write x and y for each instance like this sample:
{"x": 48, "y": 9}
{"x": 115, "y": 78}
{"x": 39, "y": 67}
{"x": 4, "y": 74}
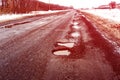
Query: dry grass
{"x": 109, "y": 28}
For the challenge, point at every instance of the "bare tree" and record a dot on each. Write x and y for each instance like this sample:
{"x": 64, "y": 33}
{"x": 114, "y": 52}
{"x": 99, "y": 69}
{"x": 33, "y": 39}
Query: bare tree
{"x": 112, "y": 4}
{"x": 4, "y": 4}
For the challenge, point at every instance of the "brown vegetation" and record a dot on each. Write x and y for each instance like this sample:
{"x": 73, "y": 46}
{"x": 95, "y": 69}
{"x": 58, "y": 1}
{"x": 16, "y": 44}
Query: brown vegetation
{"x": 109, "y": 28}
{"x": 24, "y": 6}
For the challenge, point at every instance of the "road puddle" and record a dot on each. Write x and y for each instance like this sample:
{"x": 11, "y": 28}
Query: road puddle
{"x": 66, "y": 40}
{"x": 75, "y": 34}
{"x": 117, "y": 49}
{"x": 75, "y": 23}
{"x": 63, "y": 48}
{"x": 68, "y": 47}
{"x": 62, "y": 52}
{"x": 76, "y": 27}
{"x": 69, "y": 44}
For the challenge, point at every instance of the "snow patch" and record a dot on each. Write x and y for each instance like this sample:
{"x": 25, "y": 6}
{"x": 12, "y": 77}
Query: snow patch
{"x": 111, "y": 14}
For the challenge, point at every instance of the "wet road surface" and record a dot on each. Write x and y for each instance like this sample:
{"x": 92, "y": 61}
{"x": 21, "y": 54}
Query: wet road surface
{"x": 26, "y": 51}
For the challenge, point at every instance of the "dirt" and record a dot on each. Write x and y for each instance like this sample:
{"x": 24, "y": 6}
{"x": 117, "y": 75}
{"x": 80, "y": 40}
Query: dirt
{"x": 109, "y": 28}
{"x": 30, "y": 57}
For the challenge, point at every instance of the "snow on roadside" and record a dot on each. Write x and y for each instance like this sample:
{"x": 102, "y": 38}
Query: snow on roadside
{"x": 6, "y": 17}
{"x": 109, "y": 32}
{"x": 46, "y": 12}
{"x": 113, "y": 14}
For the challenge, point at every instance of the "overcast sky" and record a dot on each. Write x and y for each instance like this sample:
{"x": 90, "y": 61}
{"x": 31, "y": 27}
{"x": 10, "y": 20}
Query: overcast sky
{"x": 80, "y": 3}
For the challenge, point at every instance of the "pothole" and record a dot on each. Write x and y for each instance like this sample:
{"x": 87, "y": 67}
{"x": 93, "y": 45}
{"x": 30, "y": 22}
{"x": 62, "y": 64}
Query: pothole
{"x": 63, "y": 47}
{"x": 76, "y": 27}
{"x": 67, "y": 44}
{"x": 62, "y": 52}
{"x": 75, "y": 23}
{"x": 75, "y": 34}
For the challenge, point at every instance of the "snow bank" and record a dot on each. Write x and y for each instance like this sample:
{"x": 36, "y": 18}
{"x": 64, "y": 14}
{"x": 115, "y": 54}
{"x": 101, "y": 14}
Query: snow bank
{"x": 6, "y": 17}
{"x": 46, "y": 12}
{"x": 113, "y": 14}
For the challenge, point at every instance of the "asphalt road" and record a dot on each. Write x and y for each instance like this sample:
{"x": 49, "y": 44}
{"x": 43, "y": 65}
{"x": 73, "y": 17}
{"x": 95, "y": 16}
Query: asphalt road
{"x": 26, "y": 51}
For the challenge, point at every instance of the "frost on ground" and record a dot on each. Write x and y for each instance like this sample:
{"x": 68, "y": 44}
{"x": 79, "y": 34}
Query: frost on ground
{"x": 107, "y": 21}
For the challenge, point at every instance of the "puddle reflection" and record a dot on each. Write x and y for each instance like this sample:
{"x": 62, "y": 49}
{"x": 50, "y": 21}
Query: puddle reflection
{"x": 76, "y": 27}
{"x": 62, "y": 52}
{"x": 75, "y": 23}
{"x": 69, "y": 44}
{"x": 75, "y": 34}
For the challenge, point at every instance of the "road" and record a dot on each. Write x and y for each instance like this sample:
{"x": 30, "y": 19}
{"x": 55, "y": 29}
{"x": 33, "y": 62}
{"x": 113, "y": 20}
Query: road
{"x": 26, "y": 50}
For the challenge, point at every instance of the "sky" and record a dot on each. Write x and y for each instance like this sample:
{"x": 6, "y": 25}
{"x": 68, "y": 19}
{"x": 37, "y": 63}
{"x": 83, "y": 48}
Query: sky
{"x": 80, "y": 3}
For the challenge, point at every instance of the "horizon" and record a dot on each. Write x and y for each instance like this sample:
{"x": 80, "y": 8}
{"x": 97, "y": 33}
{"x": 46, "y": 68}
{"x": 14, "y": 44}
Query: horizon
{"x": 80, "y": 3}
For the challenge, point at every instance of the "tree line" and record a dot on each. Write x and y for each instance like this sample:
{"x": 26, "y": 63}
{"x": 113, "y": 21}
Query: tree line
{"x": 25, "y": 6}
